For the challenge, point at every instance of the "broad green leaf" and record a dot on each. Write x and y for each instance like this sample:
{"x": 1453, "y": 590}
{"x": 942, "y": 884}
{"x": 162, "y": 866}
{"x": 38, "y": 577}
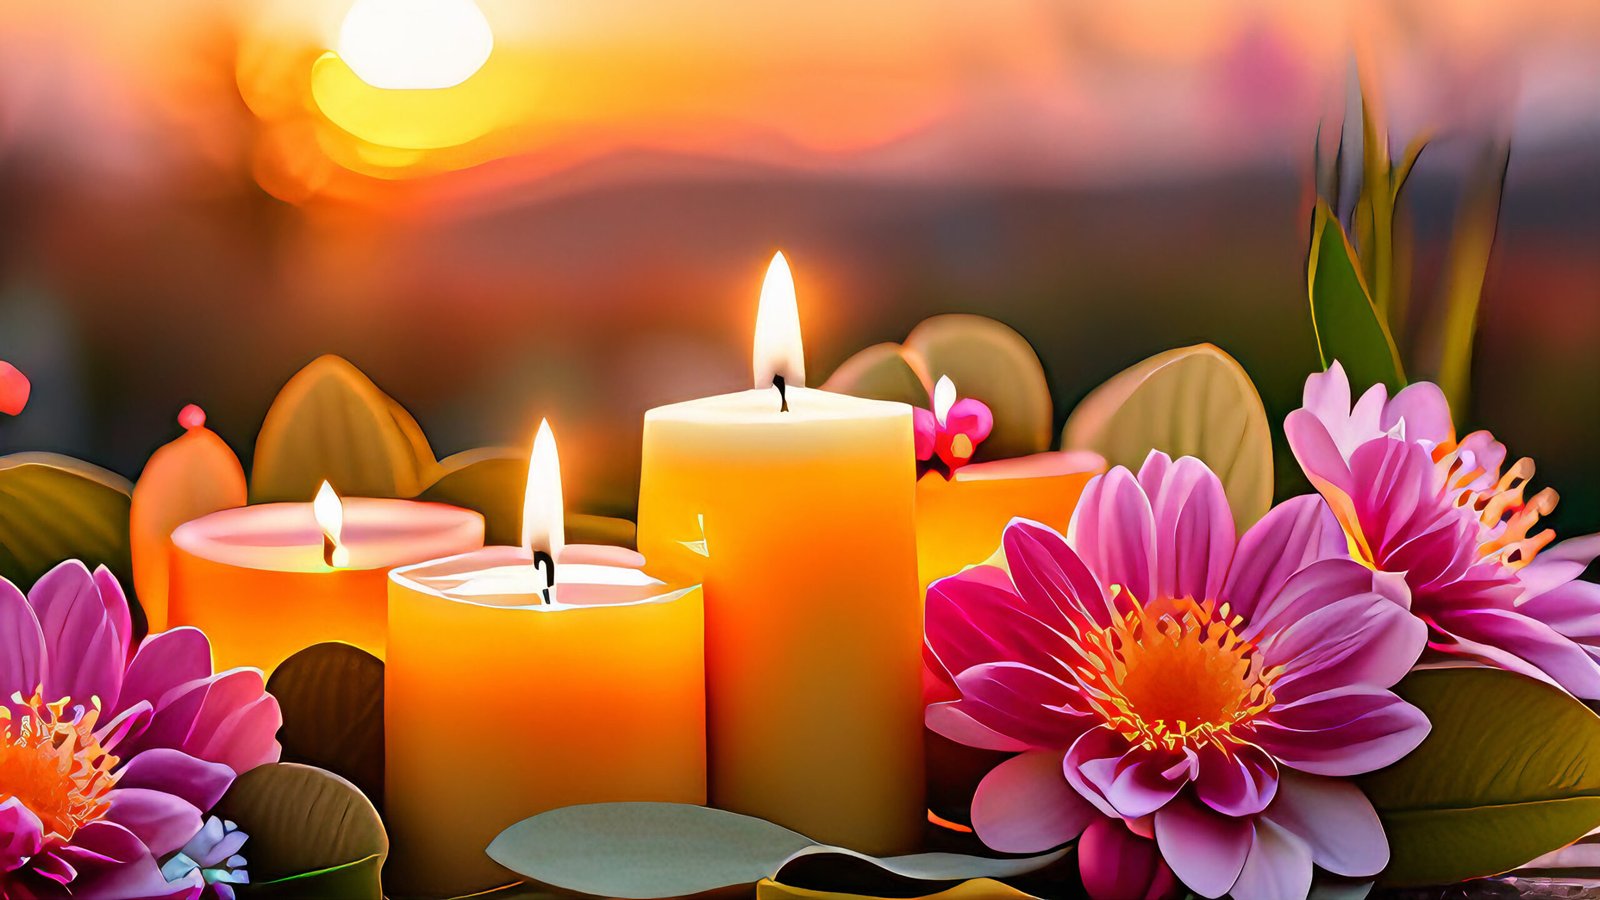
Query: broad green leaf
{"x": 351, "y": 881}
{"x": 331, "y": 695}
{"x": 1193, "y": 401}
{"x": 492, "y": 480}
{"x": 648, "y": 850}
{"x": 303, "y": 820}
{"x": 1510, "y": 770}
{"x": 992, "y": 362}
{"x": 330, "y": 422}
{"x": 879, "y": 372}
{"x": 55, "y": 508}
{"x": 977, "y": 889}
{"x": 1348, "y": 327}
{"x": 639, "y": 850}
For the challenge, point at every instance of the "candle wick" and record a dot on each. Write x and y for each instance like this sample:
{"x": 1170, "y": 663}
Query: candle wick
{"x": 546, "y": 564}
{"x": 783, "y": 392}
{"x": 329, "y": 548}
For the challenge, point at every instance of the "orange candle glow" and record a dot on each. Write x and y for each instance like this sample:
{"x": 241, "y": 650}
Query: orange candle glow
{"x": 264, "y": 582}
{"x": 585, "y": 674}
{"x": 808, "y": 560}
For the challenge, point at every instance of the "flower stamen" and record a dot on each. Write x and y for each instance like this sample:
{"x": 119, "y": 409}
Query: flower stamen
{"x": 55, "y": 764}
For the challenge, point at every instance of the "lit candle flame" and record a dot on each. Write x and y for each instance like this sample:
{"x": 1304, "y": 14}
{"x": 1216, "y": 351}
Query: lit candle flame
{"x": 329, "y": 512}
{"x": 778, "y": 351}
{"x": 543, "y": 529}
{"x": 944, "y": 397}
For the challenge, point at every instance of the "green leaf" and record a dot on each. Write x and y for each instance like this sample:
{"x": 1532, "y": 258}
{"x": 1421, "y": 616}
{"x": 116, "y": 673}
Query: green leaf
{"x": 303, "y": 821}
{"x": 331, "y": 422}
{"x": 879, "y": 372}
{"x": 993, "y": 363}
{"x": 55, "y": 508}
{"x": 1465, "y": 270}
{"x": 1193, "y": 401}
{"x": 492, "y": 480}
{"x": 351, "y": 881}
{"x": 1511, "y": 770}
{"x": 1348, "y": 327}
{"x": 647, "y": 850}
{"x": 331, "y": 695}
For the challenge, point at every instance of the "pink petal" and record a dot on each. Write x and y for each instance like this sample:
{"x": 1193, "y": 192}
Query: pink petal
{"x": 952, "y": 721}
{"x": 1320, "y": 584}
{"x": 1240, "y": 782}
{"x": 21, "y": 644}
{"x": 1513, "y": 641}
{"x": 1559, "y": 564}
{"x": 101, "y": 843}
{"x": 80, "y": 637}
{"x": 1049, "y": 574}
{"x": 1206, "y": 850}
{"x": 1278, "y": 867}
{"x": 1365, "y": 640}
{"x": 161, "y": 821}
{"x": 235, "y": 723}
{"x": 1335, "y": 820}
{"x": 924, "y": 430}
{"x": 164, "y": 662}
{"x": 1023, "y": 703}
{"x": 1124, "y": 780}
{"x": 970, "y": 623}
{"x": 1327, "y": 394}
{"x": 971, "y": 417}
{"x": 138, "y": 880}
{"x": 1294, "y": 534}
{"x": 1426, "y": 413}
{"x": 1346, "y": 731}
{"x": 1024, "y": 805}
{"x": 115, "y": 601}
{"x": 1316, "y": 451}
{"x": 1117, "y": 864}
{"x": 1113, "y": 530}
{"x": 1572, "y": 609}
{"x": 1194, "y": 527}
{"x": 22, "y": 834}
{"x": 198, "y": 782}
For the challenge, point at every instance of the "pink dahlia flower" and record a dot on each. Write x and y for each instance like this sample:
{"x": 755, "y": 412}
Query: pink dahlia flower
{"x": 1449, "y": 517}
{"x": 1187, "y": 701}
{"x": 948, "y": 435}
{"x": 107, "y": 762}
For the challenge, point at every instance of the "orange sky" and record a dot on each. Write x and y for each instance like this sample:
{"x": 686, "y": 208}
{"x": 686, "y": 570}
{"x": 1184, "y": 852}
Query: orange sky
{"x": 1009, "y": 89}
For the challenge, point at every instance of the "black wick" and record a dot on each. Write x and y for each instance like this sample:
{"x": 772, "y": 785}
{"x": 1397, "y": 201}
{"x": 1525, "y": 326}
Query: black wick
{"x": 328, "y": 546}
{"x": 544, "y": 562}
{"x": 783, "y": 392}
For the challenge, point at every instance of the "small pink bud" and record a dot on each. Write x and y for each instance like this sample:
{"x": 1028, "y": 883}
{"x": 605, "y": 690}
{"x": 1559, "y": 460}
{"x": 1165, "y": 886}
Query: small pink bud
{"x": 14, "y": 389}
{"x": 191, "y": 417}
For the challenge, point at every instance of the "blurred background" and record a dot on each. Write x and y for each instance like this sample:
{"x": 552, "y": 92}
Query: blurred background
{"x": 198, "y": 197}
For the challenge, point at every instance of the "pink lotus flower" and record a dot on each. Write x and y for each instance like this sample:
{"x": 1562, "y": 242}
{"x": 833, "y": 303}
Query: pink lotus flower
{"x": 1186, "y": 700}
{"x": 1414, "y": 500}
{"x": 107, "y": 762}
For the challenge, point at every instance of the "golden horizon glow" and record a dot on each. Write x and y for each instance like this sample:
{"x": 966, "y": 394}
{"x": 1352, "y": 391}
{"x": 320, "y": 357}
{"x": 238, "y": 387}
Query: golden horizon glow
{"x": 944, "y": 397}
{"x": 412, "y": 45}
{"x": 328, "y": 510}
{"x": 778, "y": 348}
{"x": 543, "y": 508}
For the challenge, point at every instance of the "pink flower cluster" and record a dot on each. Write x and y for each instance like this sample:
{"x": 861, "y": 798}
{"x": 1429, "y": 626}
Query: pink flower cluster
{"x": 109, "y": 759}
{"x": 1188, "y": 704}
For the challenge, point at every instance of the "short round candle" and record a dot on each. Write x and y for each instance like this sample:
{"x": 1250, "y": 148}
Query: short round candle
{"x": 506, "y": 696}
{"x": 258, "y": 582}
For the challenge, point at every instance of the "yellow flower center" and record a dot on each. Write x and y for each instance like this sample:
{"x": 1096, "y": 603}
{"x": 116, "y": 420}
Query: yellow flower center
{"x": 1175, "y": 673}
{"x": 54, "y": 765}
{"x": 1501, "y": 507}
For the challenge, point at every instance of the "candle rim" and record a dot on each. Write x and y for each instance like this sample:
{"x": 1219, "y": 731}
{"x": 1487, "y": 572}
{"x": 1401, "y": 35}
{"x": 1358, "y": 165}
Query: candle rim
{"x": 402, "y": 576}
{"x": 305, "y": 538}
{"x": 717, "y": 408}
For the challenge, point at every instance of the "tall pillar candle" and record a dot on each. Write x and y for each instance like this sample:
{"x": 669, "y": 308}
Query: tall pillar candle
{"x": 795, "y": 507}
